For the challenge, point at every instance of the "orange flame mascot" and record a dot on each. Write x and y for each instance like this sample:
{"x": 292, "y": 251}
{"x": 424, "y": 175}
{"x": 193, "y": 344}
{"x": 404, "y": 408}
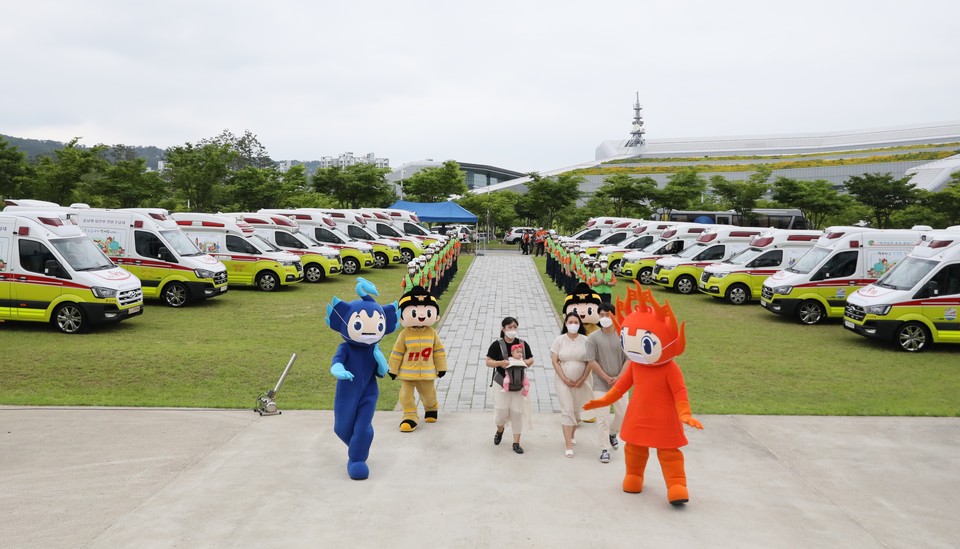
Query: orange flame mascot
{"x": 659, "y": 405}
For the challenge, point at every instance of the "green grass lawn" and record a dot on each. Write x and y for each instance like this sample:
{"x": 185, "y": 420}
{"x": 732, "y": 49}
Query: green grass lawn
{"x": 219, "y": 353}
{"x": 223, "y": 352}
{"x": 746, "y": 360}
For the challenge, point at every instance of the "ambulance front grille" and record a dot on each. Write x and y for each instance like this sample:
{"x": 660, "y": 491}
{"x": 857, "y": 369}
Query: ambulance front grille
{"x": 656, "y": 270}
{"x": 129, "y": 297}
{"x": 855, "y": 312}
{"x": 220, "y": 278}
{"x": 704, "y": 277}
{"x": 766, "y": 292}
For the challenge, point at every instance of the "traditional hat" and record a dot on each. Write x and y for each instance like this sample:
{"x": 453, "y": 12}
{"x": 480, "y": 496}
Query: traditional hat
{"x": 581, "y": 294}
{"x": 417, "y": 296}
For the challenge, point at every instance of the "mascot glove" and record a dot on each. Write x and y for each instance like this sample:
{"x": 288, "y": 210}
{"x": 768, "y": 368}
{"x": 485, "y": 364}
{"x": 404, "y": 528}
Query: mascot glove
{"x": 606, "y": 400}
{"x": 392, "y": 375}
{"x": 683, "y": 409}
{"x": 441, "y": 373}
{"x": 340, "y": 372}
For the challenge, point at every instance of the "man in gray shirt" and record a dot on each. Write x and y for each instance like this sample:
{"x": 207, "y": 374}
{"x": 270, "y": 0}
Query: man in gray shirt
{"x": 606, "y": 360}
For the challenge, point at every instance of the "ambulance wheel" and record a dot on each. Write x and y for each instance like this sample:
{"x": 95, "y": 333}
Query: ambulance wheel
{"x": 406, "y": 255}
{"x": 268, "y": 281}
{"x": 615, "y": 267}
{"x": 350, "y": 266}
{"x": 313, "y": 273}
{"x": 811, "y": 312}
{"x": 738, "y": 294}
{"x": 175, "y": 294}
{"x": 912, "y": 337}
{"x": 380, "y": 260}
{"x": 686, "y": 284}
{"x": 69, "y": 318}
{"x": 645, "y": 276}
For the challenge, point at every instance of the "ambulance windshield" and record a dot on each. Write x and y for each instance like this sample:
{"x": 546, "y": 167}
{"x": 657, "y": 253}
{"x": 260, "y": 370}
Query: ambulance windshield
{"x": 181, "y": 244}
{"x": 744, "y": 256}
{"x": 809, "y": 260}
{"x": 693, "y": 250}
{"x": 906, "y": 274}
{"x": 82, "y": 254}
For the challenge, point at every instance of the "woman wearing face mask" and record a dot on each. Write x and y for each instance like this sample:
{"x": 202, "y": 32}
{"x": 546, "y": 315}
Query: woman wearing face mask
{"x": 509, "y": 406}
{"x": 569, "y": 356}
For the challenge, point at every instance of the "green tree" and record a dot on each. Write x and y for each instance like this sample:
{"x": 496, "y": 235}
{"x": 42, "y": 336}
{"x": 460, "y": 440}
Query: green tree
{"x": 247, "y": 149}
{"x": 882, "y": 194}
{"x": 548, "y": 195}
{"x": 436, "y": 184}
{"x": 816, "y": 200}
{"x": 495, "y": 211}
{"x": 57, "y": 178}
{"x": 742, "y": 196}
{"x": 683, "y": 189}
{"x": 198, "y": 174}
{"x": 13, "y": 170}
{"x": 627, "y": 193}
{"x": 359, "y": 185}
{"x": 125, "y": 182}
{"x": 947, "y": 201}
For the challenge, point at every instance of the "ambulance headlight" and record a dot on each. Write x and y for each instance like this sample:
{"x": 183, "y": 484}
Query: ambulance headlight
{"x": 667, "y": 267}
{"x": 331, "y": 256}
{"x": 878, "y": 310}
{"x": 783, "y": 290}
{"x": 103, "y": 293}
{"x": 718, "y": 275}
{"x": 203, "y": 273}
{"x": 288, "y": 263}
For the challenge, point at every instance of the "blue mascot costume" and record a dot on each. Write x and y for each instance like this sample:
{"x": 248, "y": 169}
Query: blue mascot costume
{"x": 356, "y": 365}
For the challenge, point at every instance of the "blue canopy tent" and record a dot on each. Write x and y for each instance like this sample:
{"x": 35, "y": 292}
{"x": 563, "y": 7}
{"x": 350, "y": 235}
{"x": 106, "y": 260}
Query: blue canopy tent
{"x": 436, "y": 212}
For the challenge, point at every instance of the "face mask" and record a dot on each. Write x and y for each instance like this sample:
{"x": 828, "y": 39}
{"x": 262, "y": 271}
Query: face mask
{"x": 512, "y": 334}
{"x": 603, "y": 265}
{"x": 412, "y": 271}
{"x": 606, "y": 322}
{"x": 573, "y": 327}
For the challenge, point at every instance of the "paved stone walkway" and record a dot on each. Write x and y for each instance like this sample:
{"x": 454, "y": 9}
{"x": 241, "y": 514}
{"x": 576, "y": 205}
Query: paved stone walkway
{"x": 497, "y": 284}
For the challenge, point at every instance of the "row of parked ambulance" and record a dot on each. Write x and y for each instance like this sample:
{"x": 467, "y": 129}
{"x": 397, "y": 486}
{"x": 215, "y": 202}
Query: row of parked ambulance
{"x": 812, "y": 276}
{"x": 78, "y": 266}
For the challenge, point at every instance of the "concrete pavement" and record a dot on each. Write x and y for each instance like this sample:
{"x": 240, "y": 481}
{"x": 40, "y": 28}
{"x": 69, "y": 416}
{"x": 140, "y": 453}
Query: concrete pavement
{"x": 128, "y": 477}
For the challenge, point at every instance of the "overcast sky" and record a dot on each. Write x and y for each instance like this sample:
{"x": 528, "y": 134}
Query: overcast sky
{"x": 521, "y": 85}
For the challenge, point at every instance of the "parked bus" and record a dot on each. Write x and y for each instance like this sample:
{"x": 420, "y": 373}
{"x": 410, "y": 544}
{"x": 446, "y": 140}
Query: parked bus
{"x": 776, "y": 218}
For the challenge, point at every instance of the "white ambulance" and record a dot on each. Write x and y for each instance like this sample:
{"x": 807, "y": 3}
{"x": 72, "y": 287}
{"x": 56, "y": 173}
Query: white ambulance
{"x": 640, "y": 264}
{"x": 916, "y": 303}
{"x": 250, "y": 261}
{"x": 50, "y": 271}
{"x": 380, "y": 224}
{"x": 354, "y": 255}
{"x": 739, "y": 279}
{"x": 319, "y": 262}
{"x": 148, "y": 243}
{"x": 682, "y": 270}
{"x": 844, "y": 260}
{"x": 354, "y": 225}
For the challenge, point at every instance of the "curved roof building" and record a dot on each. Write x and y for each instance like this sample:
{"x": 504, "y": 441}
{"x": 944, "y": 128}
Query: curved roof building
{"x": 927, "y": 152}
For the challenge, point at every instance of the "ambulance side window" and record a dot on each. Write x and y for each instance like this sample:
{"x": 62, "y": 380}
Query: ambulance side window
{"x": 715, "y": 252}
{"x": 323, "y": 235}
{"x": 840, "y": 265}
{"x": 34, "y": 255}
{"x": 948, "y": 281}
{"x": 385, "y": 230}
{"x": 286, "y": 240}
{"x": 148, "y": 245}
{"x": 240, "y": 245}
{"x": 769, "y": 259}
{"x": 356, "y": 232}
